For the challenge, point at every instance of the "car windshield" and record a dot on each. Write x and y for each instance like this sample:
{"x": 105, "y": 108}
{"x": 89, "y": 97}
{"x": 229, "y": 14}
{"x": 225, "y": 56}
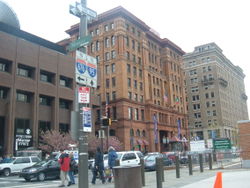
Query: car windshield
{"x": 150, "y": 157}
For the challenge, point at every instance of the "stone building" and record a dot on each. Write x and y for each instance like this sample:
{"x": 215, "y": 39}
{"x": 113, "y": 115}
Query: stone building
{"x": 140, "y": 79}
{"x": 216, "y": 94}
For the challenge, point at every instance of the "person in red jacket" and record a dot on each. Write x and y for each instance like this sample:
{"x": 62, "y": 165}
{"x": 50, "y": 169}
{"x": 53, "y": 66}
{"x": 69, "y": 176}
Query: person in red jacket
{"x": 64, "y": 162}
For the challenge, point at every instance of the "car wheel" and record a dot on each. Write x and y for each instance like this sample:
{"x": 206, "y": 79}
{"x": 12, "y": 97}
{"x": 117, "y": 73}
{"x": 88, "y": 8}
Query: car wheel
{"x": 41, "y": 176}
{"x": 27, "y": 179}
{"x": 6, "y": 172}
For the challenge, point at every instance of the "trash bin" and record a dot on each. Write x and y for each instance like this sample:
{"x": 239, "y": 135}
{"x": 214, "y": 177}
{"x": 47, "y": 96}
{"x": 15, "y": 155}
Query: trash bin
{"x": 127, "y": 176}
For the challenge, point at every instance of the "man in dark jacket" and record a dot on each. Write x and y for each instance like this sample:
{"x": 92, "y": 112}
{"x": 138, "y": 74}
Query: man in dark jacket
{"x": 112, "y": 156}
{"x": 98, "y": 166}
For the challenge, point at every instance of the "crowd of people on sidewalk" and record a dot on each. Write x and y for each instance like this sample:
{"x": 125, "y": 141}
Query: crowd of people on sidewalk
{"x": 68, "y": 164}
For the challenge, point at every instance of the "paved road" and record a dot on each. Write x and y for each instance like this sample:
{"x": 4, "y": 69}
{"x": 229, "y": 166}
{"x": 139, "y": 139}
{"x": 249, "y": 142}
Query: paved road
{"x": 208, "y": 176}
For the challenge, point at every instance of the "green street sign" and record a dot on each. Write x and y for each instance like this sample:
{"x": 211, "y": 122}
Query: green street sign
{"x": 222, "y": 143}
{"x": 79, "y": 43}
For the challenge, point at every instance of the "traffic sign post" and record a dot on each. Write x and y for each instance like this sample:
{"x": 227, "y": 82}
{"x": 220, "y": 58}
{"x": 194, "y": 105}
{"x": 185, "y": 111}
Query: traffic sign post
{"x": 83, "y": 95}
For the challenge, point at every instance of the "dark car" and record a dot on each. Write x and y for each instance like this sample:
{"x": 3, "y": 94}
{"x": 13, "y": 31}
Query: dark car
{"x": 47, "y": 169}
{"x": 150, "y": 160}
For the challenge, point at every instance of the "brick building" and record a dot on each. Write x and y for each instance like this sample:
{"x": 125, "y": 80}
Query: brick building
{"x": 139, "y": 77}
{"x": 36, "y": 88}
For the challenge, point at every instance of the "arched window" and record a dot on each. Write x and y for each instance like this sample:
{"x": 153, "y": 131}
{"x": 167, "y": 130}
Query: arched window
{"x": 132, "y": 132}
{"x": 113, "y": 40}
{"x": 92, "y": 48}
{"x": 106, "y": 42}
{"x": 138, "y": 133}
{"x": 97, "y": 46}
{"x": 144, "y": 133}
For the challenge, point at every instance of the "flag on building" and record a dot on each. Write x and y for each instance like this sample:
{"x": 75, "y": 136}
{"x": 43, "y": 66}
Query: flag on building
{"x": 107, "y": 109}
{"x": 179, "y": 128}
{"x": 165, "y": 97}
{"x": 155, "y": 128}
{"x": 177, "y": 100}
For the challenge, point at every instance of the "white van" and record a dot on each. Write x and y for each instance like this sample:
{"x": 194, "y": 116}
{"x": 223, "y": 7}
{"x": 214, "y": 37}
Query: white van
{"x": 128, "y": 158}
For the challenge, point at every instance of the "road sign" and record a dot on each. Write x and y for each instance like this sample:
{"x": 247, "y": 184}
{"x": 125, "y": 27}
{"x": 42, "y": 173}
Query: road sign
{"x": 79, "y": 43}
{"x": 197, "y": 146}
{"x": 86, "y": 119}
{"x": 222, "y": 143}
{"x": 79, "y": 10}
{"x": 86, "y": 69}
{"x": 83, "y": 95}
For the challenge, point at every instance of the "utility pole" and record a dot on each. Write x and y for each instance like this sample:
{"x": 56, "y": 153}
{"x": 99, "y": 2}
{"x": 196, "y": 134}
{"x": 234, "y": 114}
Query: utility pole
{"x": 80, "y": 10}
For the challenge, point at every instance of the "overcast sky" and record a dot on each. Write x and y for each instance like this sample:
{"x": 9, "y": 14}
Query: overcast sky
{"x": 187, "y": 23}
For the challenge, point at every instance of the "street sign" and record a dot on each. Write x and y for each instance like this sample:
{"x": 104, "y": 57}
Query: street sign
{"x": 83, "y": 95}
{"x": 197, "y": 146}
{"x": 86, "y": 119}
{"x": 222, "y": 143}
{"x": 86, "y": 69}
{"x": 79, "y": 43}
{"x": 79, "y": 10}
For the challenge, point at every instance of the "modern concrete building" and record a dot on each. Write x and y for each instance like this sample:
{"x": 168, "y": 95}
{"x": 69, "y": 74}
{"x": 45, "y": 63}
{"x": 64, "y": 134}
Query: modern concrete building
{"x": 139, "y": 77}
{"x": 216, "y": 93}
{"x": 36, "y": 85}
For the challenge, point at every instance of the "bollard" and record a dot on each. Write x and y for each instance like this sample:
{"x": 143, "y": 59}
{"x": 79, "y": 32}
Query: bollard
{"x": 142, "y": 172}
{"x": 177, "y": 166}
{"x": 158, "y": 173}
{"x": 190, "y": 167}
{"x": 162, "y": 170}
{"x": 117, "y": 162}
{"x": 210, "y": 161}
{"x": 214, "y": 156}
{"x": 201, "y": 162}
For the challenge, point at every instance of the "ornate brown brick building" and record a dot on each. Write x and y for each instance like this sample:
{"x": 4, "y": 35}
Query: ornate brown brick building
{"x": 139, "y": 76}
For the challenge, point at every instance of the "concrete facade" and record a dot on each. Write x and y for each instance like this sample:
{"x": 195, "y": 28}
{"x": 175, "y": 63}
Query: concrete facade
{"x": 216, "y": 94}
{"x": 136, "y": 69}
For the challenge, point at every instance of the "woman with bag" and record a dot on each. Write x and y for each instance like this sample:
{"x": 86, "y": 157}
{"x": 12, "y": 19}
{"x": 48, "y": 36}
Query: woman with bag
{"x": 112, "y": 156}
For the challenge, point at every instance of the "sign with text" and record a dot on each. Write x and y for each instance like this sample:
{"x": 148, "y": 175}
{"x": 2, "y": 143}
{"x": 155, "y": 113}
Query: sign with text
{"x": 198, "y": 145}
{"x": 83, "y": 95}
{"x": 222, "y": 143}
{"x": 86, "y": 119}
{"x": 86, "y": 69}
{"x": 23, "y": 139}
{"x": 79, "y": 43}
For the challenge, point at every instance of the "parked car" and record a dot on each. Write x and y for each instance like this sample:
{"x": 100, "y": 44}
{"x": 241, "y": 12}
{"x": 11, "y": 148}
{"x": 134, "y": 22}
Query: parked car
{"x": 127, "y": 158}
{"x": 170, "y": 155}
{"x": 42, "y": 170}
{"x": 184, "y": 160}
{"x": 150, "y": 160}
{"x": 16, "y": 164}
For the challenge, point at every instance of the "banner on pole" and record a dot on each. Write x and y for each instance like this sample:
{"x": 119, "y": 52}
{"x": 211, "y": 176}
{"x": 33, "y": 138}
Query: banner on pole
{"x": 86, "y": 119}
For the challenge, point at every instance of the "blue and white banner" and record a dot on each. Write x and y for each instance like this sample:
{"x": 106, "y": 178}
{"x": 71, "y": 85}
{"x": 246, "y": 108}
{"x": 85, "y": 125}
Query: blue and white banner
{"x": 179, "y": 128}
{"x": 155, "y": 129}
{"x": 86, "y": 119}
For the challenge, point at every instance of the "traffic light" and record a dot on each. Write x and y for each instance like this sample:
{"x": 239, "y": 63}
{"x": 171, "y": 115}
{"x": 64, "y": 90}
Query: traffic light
{"x": 106, "y": 121}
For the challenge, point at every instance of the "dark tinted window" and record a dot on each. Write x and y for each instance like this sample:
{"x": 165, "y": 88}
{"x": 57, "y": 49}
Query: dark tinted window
{"x": 35, "y": 159}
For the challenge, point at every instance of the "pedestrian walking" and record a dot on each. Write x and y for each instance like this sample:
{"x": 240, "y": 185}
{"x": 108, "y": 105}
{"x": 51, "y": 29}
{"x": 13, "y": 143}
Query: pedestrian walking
{"x": 72, "y": 167}
{"x": 64, "y": 162}
{"x": 112, "y": 156}
{"x": 98, "y": 166}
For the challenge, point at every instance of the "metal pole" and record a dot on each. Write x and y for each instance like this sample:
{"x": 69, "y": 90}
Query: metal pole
{"x": 210, "y": 161}
{"x": 177, "y": 166}
{"x": 158, "y": 173}
{"x": 83, "y": 139}
{"x": 201, "y": 162}
{"x": 162, "y": 170}
{"x": 142, "y": 172}
{"x": 190, "y": 167}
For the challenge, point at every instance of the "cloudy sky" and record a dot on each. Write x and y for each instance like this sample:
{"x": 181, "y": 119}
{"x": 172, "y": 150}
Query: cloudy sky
{"x": 187, "y": 23}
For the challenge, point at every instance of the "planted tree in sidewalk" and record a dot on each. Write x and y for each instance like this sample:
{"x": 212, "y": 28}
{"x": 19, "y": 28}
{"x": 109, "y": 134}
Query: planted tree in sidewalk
{"x": 54, "y": 140}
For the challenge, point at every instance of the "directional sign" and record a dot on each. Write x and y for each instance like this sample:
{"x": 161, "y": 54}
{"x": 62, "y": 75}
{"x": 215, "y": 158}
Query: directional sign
{"x": 79, "y": 43}
{"x": 86, "y": 119}
{"x": 83, "y": 95}
{"x": 86, "y": 69}
{"x": 222, "y": 143}
{"x": 79, "y": 10}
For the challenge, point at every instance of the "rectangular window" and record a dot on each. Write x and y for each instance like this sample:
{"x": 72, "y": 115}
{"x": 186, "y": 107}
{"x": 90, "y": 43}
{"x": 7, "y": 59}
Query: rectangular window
{"x": 139, "y": 60}
{"x": 129, "y": 82}
{"x": 214, "y": 112}
{"x": 134, "y": 71}
{"x": 135, "y": 84}
{"x": 3, "y": 92}
{"x": 26, "y": 71}
{"x": 141, "y": 98}
{"x": 112, "y": 26}
{"x": 141, "y": 86}
{"x": 97, "y": 59}
{"x": 127, "y": 55}
{"x": 113, "y": 95}
{"x": 113, "y": 82}
{"x": 136, "y": 97}
{"x": 107, "y": 56}
{"x": 5, "y": 65}
{"x": 128, "y": 68}
{"x": 106, "y": 28}
{"x": 21, "y": 125}
{"x": 97, "y": 32}
{"x": 113, "y": 54}
{"x": 45, "y": 100}
{"x": 46, "y": 76}
{"x": 130, "y": 95}
{"x": 113, "y": 67}
{"x": 107, "y": 71}
{"x": 142, "y": 115}
{"x": 44, "y": 126}
{"x": 107, "y": 97}
{"x": 136, "y": 114}
{"x": 65, "y": 81}
{"x": 114, "y": 112}
{"x": 107, "y": 83}
{"x": 23, "y": 96}
{"x": 140, "y": 73}
{"x": 64, "y": 104}
{"x": 134, "y": 58}
{"x": 130, "y": 113}
{"x": 64, "y": 127}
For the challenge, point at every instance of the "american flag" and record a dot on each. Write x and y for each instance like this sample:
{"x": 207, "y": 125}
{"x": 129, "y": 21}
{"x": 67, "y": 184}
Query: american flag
{"x": 165, "y": 97}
